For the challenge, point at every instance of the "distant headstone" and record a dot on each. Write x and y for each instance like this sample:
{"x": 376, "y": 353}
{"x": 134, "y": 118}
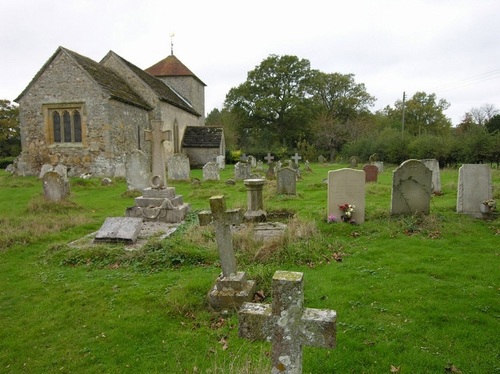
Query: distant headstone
{"x": 211, "y": 172}
{"x": 260, "y": 165}
{"x": 242, "y": 171}
{"x": 255, "y": 205}
{"x": 346, "y": 186}
{"x": 137, "y": 170}
{"x": 371, "y": 173}
{"x": 232, "y": 288}
{"x": 269, "y": 158}
{"x": 252, "y": 161}
{"x": 279, "y": 165}
{"x": 353, "y": 161}
{"x": 55, "y": 186}
{"x": 106, "y": 181}
{"x": 307, "y": 166}
{"x": 373, "y": 158}
{"x": 230, "y": 182}
{"x": 270, "y": 174}
{"x": 119, "y": 229}
{"x": 379, "y": 165}
{"x": 221, "y": 161}
{"x": 287, "y": 324}
{"x": 296, "y": 159}
{"x": 178, "y": 167}
{"x": 411, "y": 188}
{"x": 286, "y": 181}
{"x": 474, "y": 186}
{"x": 321, "y": 159}
{"x": 433, "y": 166}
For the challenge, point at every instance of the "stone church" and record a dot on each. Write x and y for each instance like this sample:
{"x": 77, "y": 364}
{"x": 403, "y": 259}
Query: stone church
{"x": 89, "y": 115}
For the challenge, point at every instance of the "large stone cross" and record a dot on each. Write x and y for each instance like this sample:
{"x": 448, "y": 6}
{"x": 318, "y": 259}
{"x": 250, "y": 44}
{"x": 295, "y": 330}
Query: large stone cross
{"x": 296, "y": 159}
{"x": 287, "y": 324}
{"x": 269, "y": 158}
{"x": 157, "y": 136}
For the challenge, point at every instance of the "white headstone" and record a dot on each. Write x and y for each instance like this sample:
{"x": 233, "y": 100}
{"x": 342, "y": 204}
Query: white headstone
{"x": 137, "y": 170}
{"x": 346, "y": 186}
{"x": 242, "y": 171}
{"x": 474, "y": 186}
{"x": 433, "y": 165}
{"x": 221, "y": 161}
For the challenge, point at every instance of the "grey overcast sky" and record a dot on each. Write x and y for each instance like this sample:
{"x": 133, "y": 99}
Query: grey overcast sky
{"x": 447, "y": 47}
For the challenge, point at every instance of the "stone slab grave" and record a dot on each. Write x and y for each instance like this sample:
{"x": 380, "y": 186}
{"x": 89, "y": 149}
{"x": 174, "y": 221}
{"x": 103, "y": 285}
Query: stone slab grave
{"x": 433, "y": 165}
{"x": 474, "y": 186}
{"x": 286, "y": 181}
{"x": 287, "y": 324}
{"x": 411, "y": 188}
{"x": 178, "y": 167}
{"x": 255, "y": 205}
{"x": 371, "y": 173}
{"x": 211, "y": 171}
{"x": 55, "y": 186}
{"x": 346, "y": 186}
{"x": 119, "y": 229}
{"x": 231, "y": 288}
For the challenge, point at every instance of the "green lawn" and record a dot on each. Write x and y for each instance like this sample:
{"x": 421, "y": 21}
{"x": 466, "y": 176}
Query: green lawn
{"x": 412, "y": 294}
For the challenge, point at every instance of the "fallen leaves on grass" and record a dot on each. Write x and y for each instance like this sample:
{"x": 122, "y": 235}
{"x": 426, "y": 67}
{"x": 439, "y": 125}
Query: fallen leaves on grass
{"x": 395, "y": 369}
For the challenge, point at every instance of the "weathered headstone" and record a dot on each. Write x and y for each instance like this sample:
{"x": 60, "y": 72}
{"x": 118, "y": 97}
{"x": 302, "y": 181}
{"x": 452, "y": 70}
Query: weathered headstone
{"x": 433, "y": 165}
{"x": 411, "y": 188}
{"x": 287, "y": 324}
{"x": 242, "y": 171}
{"x": 252, "y": 161}
{"x": 346, "y": 186}
{"x": 353, "y": 161}
{"x": 371, "y": 173}
{"x": 474, "y": 186}
{"x": 157, "y": 136}
{"x": 255, "y": 205}
{"x": 307, "y": 166}
{"x": 119, "y": 229}
{"x": 45, "y": 169}
{"x": 259, "y": 166}
{"x": 211, "y": 172}
{"x": 221, "y": 161}
{"x": 137, "y": 170}
{"x": 321, "y": 159}
{"x": 178, "y": 167}
{"x": 379, "y": 165}
{"x": 232, "y": 288}
{"x": 55, "y": 186}
{"x": 286, "y": 181}
{"x": 270, "y": 174}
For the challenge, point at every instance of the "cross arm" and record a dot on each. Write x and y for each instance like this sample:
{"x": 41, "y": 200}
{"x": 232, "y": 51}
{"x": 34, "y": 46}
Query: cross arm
{"x": 319, "y": 327}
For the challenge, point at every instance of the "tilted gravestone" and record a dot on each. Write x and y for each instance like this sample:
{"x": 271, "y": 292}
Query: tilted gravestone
{"x": 286, "y": 181}
{"x": 55, "y": 186}
{"x": 346, "y": 186}
{"x": 411, "y": 188}
{"x": 287, "y": 324}
{"x": 371, "y": 173}
{"x": 178, "y": 167}
{"x": 474, "y": 187}
{"x": 211, "y": 171}
{"x": 232, "y": 288}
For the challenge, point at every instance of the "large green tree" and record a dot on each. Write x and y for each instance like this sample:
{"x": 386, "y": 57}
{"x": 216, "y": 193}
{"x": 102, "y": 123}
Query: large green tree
{"x": 272, "y": 105}
{"x": 10, "y": 138}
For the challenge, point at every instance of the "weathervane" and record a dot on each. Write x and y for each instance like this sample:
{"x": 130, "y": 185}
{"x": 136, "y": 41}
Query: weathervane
{"x": 172, "y": 43}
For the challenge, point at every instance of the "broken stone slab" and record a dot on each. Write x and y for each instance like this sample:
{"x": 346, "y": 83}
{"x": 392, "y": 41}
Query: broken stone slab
{"x": 119, "y": 229}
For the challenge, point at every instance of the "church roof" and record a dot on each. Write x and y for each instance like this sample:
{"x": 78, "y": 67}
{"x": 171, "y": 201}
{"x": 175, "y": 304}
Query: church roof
{"x": 161, "y": 89}
{"x": 202, "y": 137}
{"x": 106, "y": 78}
{"x": 171, "y": 66}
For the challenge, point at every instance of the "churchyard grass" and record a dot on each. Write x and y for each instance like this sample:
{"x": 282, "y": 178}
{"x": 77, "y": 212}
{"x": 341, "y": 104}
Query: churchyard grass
{"x": 413, "y": 294}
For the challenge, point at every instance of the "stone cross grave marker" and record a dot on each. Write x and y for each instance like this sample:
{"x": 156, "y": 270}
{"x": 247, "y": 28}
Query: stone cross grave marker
{"x": 346, "y": 186}
{"x": 287, "y": 324}
{"x": 157, "y": 136}
{"x": 411, "y": 188}
{"x": 296, "y": 159}
{"x": 232, "y": 288}
{"x": 269, "y": 158}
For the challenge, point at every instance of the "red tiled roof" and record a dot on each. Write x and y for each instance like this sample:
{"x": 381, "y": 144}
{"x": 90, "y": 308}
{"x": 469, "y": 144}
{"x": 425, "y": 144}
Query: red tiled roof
{"x": 171, "y": 67}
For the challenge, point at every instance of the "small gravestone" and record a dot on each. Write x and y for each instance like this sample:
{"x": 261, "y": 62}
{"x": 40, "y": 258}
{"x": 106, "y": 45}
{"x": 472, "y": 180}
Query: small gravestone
{"x": 137, "y": 170}
{"x": 178, "y": 167}
{"x": 232, "y": 288}
{"x": 255, "y": 206}
{"x": 211, "y": 172}
{"x": 371, "y": 173}
{"x": 433, "y": 166}
{"x": 353, "y": 161}
{"x": 346, "y": 186}
{"x": 379, "y": 165}
{"x": 221, "y": 161}
{"x": 260, "y": 165}
{"x": 270, "y": 174}
{"x": 242, "y": 171}
{"x": 411, "y": 188}
{"x": 474, "y": 187}
{"x": 252, "y": 161}
{"x": 307, "y": 166}
{"x": 287, "y": 324}
{"x": 45, "y": 169}
{"x": 373, "y": 158}
{"x": 55, "y": 186}
{"x": 119, "y": 229}
{"x": 321, "y": 159}
{"x": 286, "y": 181}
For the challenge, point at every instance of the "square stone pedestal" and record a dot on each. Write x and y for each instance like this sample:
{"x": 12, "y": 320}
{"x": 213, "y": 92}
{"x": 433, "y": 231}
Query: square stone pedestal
{"x": 231, "y": 292}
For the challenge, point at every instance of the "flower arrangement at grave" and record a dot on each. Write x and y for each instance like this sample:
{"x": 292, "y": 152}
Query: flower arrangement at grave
{"x": 347, "y": 211}
{"x": 490, "y": 204}
{"x": 331, "y": 219}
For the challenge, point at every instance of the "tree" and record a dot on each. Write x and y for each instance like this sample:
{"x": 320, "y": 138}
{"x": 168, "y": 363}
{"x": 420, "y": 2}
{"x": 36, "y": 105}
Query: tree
{"x": 493, "y": 124}
{"x": 423, "y": 114}
{"x": 480, "y": 116}
{"x": 273, "y": 102}
{"x": 10, "y": 137}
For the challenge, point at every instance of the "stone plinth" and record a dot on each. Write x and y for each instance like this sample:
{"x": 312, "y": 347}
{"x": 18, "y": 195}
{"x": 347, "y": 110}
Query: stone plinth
{"x": 255, "y": 206}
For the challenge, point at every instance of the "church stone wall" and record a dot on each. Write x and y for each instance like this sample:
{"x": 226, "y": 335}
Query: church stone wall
{"x": 200, "y": 156}
{"x": 192, "y": 90}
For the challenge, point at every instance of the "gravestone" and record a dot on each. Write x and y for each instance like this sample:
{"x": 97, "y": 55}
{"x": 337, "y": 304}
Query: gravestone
{"x": 242, "y": 171}
{"x": 287, "y": 324}
{"x": 55, "y": 186}
{"x": 269, "y": 158}
{"x": 433, "y": 165}
{"x": 178, "y": 167}
{"x": 307, "y": 166}
{"x": 45, "y": 169}
{"x": 252, "y": 161}
{"x": 411, "y": 188}
{"x": 270, "y": 174}
{"x": 120, "y": 170}
{"x": 221, "y": 161}
{"x": 211, "y": 172}
{"x": 255, "y": 206}
{"x": 346, "y": 186}
{"x": 157, "y": 136}
{"x": 373, "y": 158}
{"x": 371, "y": 173}
{"x": 119, "y": 229}
{"x": 232, "y": 288}
{"x": 321, "y": 159}
{"x": 474, "y": 186}
{"x": 286, "y": 181}
{"x": 379, "y": 165}
{"x": 296, "y": 159}
{"x": 137, "y": 170}
{"x": 353, "y": 161}
{"x": 260, "y": 165}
